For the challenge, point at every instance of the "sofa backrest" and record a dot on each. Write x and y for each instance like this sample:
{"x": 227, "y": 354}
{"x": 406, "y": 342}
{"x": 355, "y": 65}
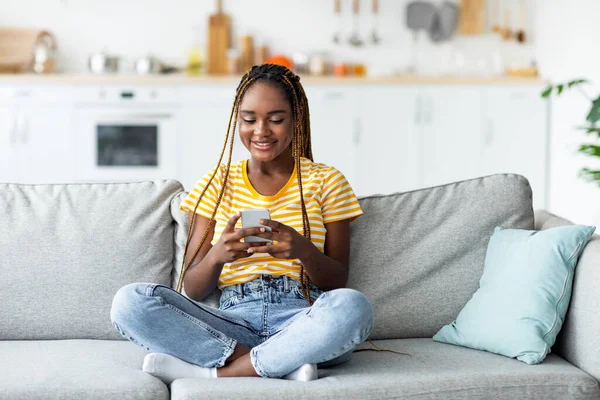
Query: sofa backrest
{"x": 65, "y": 250}
{"x": 419, "y": 255}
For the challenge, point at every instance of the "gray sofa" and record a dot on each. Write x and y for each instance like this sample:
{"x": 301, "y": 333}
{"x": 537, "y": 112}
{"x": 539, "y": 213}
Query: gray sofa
{"x": 65, "y": 250}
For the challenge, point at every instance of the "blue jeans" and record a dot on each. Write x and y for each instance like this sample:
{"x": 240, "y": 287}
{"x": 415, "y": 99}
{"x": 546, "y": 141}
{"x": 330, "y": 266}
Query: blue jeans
{"x": 269, "y": 315}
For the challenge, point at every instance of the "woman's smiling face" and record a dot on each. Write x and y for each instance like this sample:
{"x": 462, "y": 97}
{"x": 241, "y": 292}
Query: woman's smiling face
{"x": 265, "y": 121}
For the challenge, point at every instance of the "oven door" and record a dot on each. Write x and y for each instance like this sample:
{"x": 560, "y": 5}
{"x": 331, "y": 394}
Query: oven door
{"x": 125, "y": 145}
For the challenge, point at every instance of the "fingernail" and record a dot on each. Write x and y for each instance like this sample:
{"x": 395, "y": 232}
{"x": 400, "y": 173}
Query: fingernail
{"x": 262, "y": 229}
{"x": 250, "y": 250}
{"x": 262, "y": 221}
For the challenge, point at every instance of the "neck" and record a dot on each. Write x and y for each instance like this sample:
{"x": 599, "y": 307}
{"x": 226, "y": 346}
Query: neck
{"x": 283, "y": 164}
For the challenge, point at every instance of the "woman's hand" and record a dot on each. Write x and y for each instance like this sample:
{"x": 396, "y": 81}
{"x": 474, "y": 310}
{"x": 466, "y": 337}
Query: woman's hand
{"x": 230, "y": 247}
{"x": 290, "y": 244}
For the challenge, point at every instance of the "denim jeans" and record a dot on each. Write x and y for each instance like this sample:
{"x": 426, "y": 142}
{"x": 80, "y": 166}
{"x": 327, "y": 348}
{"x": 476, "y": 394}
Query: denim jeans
{"x": 269, "y": 315}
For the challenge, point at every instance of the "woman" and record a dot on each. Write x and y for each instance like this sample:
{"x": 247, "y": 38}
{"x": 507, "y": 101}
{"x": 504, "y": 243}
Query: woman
{"x": 284, "y": 308}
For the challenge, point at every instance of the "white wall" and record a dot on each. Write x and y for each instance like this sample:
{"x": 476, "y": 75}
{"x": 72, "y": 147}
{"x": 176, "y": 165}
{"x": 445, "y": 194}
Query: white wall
{"x": 132, "y": 28}
{"x": 568, "y": 48}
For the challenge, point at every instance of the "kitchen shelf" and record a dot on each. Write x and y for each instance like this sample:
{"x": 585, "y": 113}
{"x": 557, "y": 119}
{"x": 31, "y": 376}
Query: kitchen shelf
{"x": 178, "y": 79}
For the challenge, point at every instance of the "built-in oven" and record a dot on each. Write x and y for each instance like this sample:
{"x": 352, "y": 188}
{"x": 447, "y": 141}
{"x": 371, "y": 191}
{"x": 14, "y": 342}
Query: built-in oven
{"x": 125, "y": 134}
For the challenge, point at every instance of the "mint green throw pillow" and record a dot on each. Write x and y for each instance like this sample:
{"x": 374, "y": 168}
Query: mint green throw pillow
{"x": 523, "y": 294}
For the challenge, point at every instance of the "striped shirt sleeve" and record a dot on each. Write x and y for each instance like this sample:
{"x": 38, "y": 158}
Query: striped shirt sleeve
{"x": 209, "y": 200}
{"x": 338, "y": 201}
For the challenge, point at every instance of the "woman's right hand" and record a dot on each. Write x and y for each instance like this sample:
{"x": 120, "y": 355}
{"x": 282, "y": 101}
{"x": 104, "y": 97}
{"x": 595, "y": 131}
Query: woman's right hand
{"x": 230, "y": 247}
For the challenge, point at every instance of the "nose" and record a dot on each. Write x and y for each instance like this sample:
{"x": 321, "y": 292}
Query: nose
{"x": 260, "y": 128}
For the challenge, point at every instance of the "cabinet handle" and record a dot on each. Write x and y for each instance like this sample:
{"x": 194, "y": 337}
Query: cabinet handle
{"x": 429, "y": 111}
{"x": 488, "y": 134}
{"x": 21, "y": 129}
{"x": 357, "y": 132}
{"x": 13, "y": 134}
{"x": 418, "y": 110}
{"x": 333, "y": 95}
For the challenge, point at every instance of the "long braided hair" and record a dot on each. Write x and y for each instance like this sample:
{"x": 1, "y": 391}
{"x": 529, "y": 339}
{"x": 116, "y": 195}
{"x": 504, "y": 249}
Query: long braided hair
{"x": 301, "y": 147}
{"x": 289, "y": 82}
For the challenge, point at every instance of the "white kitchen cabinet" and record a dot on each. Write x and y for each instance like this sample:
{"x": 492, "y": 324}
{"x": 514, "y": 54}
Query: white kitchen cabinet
{"x": 450, "y": 124}
{"x": 336, "y": 130}
{"x": 205, "y": 114}
{"x": 34, "y": 135}
{"x": 389, "y": 145}
{"x": 9, "y": 149}
{"x": 515, "y": 136}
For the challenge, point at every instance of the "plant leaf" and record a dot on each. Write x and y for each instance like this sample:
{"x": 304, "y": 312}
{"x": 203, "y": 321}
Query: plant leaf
{"x": 590, "y": 175}
{"x": 576, "y": 82}
{"x": 594, "y": 114}
{"x": 590, "y": 149}
{"x": 559, "y": 88}
{"x": 547, "y": 91}
{"x": 590, "y": 129}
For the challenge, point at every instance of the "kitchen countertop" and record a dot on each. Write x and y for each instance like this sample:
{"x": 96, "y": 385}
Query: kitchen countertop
{"x": 177, "y": 79}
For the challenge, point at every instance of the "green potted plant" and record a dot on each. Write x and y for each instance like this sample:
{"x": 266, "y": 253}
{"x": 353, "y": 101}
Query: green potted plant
{"x": 591, "y": 149}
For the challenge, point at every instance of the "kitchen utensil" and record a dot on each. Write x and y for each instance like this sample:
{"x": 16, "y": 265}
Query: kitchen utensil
{"x": 219, "y": 39}
{"x": 375, "y": 39}
{"x": 506, "y": 32}
{"x": 419, "y": 16}
{"x": 247, "y": 52}
{"x": 300, "y": 61}
{"x": 520, "y": 34}
{"x": 445, "y": 22}
{"x": 261, "y": 53}
{"x": 337, "y": 11}
{"x": 497, "y": 11}
{"x": 26, "y": 49}
{"x": 472, "y": 17}
{"x": 102, "y": 63}
{"x": 354, "y": 38}
{"x": 148, "y": 65}
{"x": 44, "y": 53}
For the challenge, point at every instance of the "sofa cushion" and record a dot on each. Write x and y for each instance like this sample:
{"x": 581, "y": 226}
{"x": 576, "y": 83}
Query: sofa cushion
{"x": 181, "y": 230}
{"x": 67, "y": 249}
{"x": 419, "y": 255}
{"x": 431, "y": 371}
{"x": 524, "y": 293}
{"x": 76, "y": 369}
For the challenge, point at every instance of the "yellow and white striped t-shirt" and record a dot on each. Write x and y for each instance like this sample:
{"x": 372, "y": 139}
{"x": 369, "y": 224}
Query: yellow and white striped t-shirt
{"x": 327, "y": 195}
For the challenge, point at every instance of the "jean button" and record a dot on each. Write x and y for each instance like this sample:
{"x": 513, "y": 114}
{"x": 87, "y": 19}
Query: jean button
{"x": 266, "y": 278}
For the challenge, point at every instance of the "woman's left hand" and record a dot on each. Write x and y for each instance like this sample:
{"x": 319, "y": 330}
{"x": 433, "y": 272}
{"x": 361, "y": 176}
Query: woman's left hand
{"x": 290, "y": 244}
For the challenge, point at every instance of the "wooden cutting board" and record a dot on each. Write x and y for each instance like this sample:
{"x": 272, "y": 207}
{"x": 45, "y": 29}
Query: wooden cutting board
{"x": 219, "y": 39}
{"x": 472, "y": 17}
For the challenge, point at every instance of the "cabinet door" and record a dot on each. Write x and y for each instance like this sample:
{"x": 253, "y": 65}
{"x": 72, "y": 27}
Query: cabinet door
{"x": 43, "y": 131}
{"x": 516, "y": 136}
{"x": 389, "y": 144}
{"x": 9, "y": 148}
{"x": 204, "y": 118}
{"x": 335, "y": 129}
{"x": 452, "y": 139}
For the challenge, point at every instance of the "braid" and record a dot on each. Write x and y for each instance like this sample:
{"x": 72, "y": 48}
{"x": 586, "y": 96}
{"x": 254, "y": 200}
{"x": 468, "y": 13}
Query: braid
{"x": 229, "y": 138}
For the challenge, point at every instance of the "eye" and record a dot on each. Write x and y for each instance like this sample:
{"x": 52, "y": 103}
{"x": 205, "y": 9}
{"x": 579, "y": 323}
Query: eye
{"x": 249, "y": 121}
{"x": 276, "y": 121}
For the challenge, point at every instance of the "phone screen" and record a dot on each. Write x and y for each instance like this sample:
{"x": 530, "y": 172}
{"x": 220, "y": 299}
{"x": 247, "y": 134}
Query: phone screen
{"x": 251, "y": 219}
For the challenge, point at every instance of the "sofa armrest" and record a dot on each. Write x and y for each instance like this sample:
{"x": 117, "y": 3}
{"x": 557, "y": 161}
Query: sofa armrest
{"x": 579, "y": 339}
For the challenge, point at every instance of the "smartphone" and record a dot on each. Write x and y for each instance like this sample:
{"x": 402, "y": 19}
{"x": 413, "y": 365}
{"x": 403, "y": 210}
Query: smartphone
{"x": 251, "y": 218}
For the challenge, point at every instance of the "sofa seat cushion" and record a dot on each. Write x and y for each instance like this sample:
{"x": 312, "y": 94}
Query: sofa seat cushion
{"x": 432, "y": 371}
{"x": 76, "y": 369}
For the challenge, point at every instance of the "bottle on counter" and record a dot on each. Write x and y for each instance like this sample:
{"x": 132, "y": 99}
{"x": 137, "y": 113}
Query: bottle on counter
{"x": 195, "y": 58}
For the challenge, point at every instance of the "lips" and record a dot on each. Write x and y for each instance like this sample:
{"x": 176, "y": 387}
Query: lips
{"x": 263, "y": 145}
